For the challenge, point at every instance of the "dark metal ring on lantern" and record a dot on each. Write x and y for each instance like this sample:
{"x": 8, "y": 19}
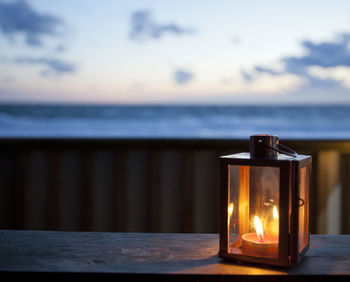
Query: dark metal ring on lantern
{"x": 286, "y": 150}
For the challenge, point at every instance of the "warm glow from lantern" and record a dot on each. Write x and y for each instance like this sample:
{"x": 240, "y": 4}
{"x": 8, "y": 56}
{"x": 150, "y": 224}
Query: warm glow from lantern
{"x": 275, "y": 221}
{"x": 230, "y": 210}
{"x": 275, "y": 212}
{"x": 259, "y": 228}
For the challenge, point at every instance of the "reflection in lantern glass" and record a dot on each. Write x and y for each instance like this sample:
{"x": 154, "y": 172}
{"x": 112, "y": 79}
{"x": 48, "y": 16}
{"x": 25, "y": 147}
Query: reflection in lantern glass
{"x": 252, "y": 211}
{"x": 258, "y": 227}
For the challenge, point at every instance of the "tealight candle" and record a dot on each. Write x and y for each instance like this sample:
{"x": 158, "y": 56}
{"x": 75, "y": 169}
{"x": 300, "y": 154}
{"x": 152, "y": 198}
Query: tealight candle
{"x": 260, "y": 244}
{"x": 253, "y": 246}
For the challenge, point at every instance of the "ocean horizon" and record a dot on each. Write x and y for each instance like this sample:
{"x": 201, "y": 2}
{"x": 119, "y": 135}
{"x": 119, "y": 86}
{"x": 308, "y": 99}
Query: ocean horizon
{"x": 174, "y": 121}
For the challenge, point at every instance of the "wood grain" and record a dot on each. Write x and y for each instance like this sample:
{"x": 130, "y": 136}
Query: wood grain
{"x": 95, "y": 255}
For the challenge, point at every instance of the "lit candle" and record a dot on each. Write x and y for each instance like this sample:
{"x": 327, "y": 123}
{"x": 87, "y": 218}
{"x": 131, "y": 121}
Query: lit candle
{"x": 260, "y": 244}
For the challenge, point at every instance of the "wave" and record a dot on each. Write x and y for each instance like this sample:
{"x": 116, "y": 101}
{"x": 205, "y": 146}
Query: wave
{"x": 175, "y": 122}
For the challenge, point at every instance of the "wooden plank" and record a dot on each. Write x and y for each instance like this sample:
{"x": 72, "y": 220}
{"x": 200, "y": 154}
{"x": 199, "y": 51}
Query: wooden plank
{"x": 20, "y": 187}
{"x": 206, "y": 189}
{"x": 137, "y": 191}
{"x": 155, "y": 196}
{"x": 300, "y": 146}
{"x": 171, "y": 192}
{"x": 188, "y": 192}
{"x": 36, "y": 192}
{"x": 53, "y": 192}
{"x": 104, "y": 216}
{"x": 71, "y": 198}
{"x": 121, "y": 157}
{"x": 87, "y": 174}
{"x": 345, "y": 196}
{"x": 328, "y": 192}
{"x": 156, "y": 256}
{"x": 7, "y": 195}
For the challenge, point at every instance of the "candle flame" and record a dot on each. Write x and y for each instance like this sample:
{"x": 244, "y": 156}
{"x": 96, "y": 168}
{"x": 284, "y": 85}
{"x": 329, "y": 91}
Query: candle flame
{"x": 230, "y": 209}
{"x": 259, "y": 228}
{"x": 275, "y": 212}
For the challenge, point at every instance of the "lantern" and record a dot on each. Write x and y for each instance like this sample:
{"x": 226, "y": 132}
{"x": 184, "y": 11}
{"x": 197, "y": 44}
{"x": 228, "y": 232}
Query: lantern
{"x": 264, "y": 216}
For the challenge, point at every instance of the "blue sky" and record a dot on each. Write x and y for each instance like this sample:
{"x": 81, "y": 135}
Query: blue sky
{"x": 215, "y": 52}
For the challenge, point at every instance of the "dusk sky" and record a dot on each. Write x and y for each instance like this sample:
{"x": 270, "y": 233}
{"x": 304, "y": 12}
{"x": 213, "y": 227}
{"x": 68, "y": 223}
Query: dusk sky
{"x": 160, "y": 52}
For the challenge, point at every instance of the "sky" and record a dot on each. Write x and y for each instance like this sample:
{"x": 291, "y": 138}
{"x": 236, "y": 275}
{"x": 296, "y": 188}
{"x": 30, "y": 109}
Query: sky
{"x": 175, "y": 52}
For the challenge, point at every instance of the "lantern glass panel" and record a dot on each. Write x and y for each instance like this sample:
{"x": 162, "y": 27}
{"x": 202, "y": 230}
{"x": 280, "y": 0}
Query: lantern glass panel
{"x": 303, "y": 208}
{"x": 252, "y": 212}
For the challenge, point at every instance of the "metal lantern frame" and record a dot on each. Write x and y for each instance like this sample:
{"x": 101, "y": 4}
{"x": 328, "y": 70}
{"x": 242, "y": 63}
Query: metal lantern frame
{"x": 290, "y": 167}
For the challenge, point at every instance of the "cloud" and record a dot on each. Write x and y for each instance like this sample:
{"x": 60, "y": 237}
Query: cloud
{"x": 53, "y": 66}
{"x": 323, "y": 65}
{"x": 19, "y": 18}
{"x": 324, "y": 54}
{"x": 265, "y": 83}
{"x": 182, "y": 77}
{"x": 143, "y": 27}
{"x": 7, "y": 79}
{"x": 340, "y": 74}
{"x": 236, "y": 40}
{"x": 267, "y": 70}
{"x": 247, "y": 76}
{"x": 60, "y": 48}
{"x": 269, "y": 81}
{"x": 273, "y": 84}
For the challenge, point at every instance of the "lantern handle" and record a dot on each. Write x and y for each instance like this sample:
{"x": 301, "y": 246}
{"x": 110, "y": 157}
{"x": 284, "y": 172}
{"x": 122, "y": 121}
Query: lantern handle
{"x": 285, "y": 150}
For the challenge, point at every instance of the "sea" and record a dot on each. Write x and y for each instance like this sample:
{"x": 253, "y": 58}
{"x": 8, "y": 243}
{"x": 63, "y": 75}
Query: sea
{"x": 164, "y": 121}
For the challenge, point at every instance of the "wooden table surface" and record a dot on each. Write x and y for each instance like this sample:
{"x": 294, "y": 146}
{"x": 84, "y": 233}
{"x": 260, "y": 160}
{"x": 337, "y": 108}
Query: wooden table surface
{"x": 95, "y": 255}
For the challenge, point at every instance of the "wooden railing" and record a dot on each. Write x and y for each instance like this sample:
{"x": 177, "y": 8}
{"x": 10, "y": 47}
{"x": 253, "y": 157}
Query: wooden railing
{"x": 146, "y": 185}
